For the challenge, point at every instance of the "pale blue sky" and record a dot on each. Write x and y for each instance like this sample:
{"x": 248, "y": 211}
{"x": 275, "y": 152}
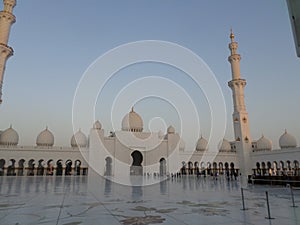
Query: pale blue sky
{"x": 55, "y": 41}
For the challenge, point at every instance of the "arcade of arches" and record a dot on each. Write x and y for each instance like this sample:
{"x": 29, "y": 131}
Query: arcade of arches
{"x": 41, "y": 167}
{"x": 214, "y": 168}
{"x": 280, "y": 168}
{"x": 60, "y": 167}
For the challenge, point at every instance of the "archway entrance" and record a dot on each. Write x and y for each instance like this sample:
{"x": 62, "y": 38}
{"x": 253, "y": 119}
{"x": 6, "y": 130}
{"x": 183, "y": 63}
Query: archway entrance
{"x": 108, "y": 166}
{"x": 11, "y": 168}
{"x": 77, "y": 167}
{"x": 2, "y": 163}
{"x": 68, "y": 169}
{"x": 136, "y": 167}
{"x": 31, "y": 164}
{"x": 162, "y": 167}
{"x": 40, "y": 168}
{"x": 21, "y": 167}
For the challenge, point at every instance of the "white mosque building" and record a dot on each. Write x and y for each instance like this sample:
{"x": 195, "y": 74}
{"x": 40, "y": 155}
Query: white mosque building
{"x": 132, "y": 151}
{"x": 46, "y": 159}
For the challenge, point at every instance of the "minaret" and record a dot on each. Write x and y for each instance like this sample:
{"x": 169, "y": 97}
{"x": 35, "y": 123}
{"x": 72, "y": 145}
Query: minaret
{"x": 240, "y": 115}
{"x": 6, "y": 20}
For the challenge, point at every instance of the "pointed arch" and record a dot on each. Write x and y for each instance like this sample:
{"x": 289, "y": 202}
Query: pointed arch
{"x": 77, "y": 167}
{"x": 2, "y": 166}
{"x": 11, "y": 168}
{"x": 21, "y": 167}
{"x": 50, "y": 167}
{"x": 68, "y": 169}
{"x": 31, "y": 167}
{"x": 162, "y": 167}
{"x": 136, "y": 166}
{"x": 40, "y": 168}
{"x": 59, "y": 168}
{"x": 108, "y": 166}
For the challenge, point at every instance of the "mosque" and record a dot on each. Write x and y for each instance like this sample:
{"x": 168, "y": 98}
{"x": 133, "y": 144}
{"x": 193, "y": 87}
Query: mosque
{"x": 132, "y": 151}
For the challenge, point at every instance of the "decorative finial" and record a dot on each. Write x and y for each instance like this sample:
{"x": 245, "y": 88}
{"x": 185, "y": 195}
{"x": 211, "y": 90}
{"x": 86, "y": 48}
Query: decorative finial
{"x": 285, "y": 131}
{"x": 46, "y": 127}
{"x": 132, "y": 109}
{"x": 231, "y": 35}
{"x": 10, "y": 126}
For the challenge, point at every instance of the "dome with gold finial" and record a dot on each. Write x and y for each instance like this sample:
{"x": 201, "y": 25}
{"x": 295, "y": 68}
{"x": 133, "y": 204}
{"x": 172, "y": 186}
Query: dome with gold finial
{"x": 45, "y": 138}
{"x": 9, "y": 137}
{"x": 79, "y": 139}
{"x": 264, "y": 144}
{"x": 132, "y": 122}
{"x": 224, "y": 145}
{"x": 201, "y": 144}
{"x": 287, "y": 140}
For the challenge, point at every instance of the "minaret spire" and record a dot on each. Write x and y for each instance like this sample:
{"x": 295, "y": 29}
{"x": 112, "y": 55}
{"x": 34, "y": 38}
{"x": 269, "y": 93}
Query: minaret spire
{"x": 240, "y": 115}
{"x": 6, "y": 20}
{"x": 231, "y": 35}
{"x": 234, "y": 58}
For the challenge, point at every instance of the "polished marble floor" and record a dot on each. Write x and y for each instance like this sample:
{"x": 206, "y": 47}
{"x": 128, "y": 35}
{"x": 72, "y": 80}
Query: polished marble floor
{"x": 188, "y": 200}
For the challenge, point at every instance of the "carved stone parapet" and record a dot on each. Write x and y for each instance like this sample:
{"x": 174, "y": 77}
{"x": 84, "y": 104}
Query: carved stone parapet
{"x": 237, "y": 82}
{"x": 6, "y": 50}
{"x": 8, "y": 16}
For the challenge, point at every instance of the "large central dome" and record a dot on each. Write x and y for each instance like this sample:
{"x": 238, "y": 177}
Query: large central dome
{"x": 132, "y": 122}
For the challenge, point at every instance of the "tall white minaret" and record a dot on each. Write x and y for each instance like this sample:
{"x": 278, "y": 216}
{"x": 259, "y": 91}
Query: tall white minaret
{"x": 240, "y": 116}
{"x": 6, "y": 20}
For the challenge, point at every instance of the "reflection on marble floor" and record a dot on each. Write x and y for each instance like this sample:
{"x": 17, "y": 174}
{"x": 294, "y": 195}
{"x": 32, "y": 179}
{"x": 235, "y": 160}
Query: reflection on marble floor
{"x": 94, "y": 200}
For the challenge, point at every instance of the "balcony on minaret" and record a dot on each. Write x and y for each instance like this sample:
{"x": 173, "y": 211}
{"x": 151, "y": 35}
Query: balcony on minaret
{"x": 9, "y": 5}
{"x": 233, "y": 46}
{"x": 237, "y": 83}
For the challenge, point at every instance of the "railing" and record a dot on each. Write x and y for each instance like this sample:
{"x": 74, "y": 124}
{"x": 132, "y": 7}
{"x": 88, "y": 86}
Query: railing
{"x": 276, "y": 180}
{"x": 289, "y": 191}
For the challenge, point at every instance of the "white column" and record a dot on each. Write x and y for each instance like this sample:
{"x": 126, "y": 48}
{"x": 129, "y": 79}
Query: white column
{"x": 241, "y": 127}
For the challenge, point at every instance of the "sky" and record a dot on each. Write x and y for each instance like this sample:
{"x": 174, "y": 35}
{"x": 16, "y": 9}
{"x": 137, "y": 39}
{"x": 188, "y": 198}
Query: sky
{"x": 55, "y": 42}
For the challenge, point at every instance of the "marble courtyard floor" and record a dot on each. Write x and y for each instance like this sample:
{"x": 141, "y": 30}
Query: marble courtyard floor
{"x": 76, "y": 200}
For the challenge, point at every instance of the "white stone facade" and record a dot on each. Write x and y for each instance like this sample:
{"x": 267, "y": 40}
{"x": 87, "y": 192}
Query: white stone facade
{"x": 155, "y": 154}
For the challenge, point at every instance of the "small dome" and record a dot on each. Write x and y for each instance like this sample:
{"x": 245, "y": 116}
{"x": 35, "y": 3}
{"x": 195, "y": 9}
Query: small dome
{"x": 45, "y": 138}
{"x": 79, "y": 139}
{"x": 224, "y": 145}
{"x": 9, "y": 137}
{"x": 287, "y": 141}
{"x": 201, "y": 144}
{"x": 132, "y": 122}
{"x": 97, "y": 125}
{"x": 171, "y": 130}
{"x": 181, "y": 145}
{"x": 264, "y": 144}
